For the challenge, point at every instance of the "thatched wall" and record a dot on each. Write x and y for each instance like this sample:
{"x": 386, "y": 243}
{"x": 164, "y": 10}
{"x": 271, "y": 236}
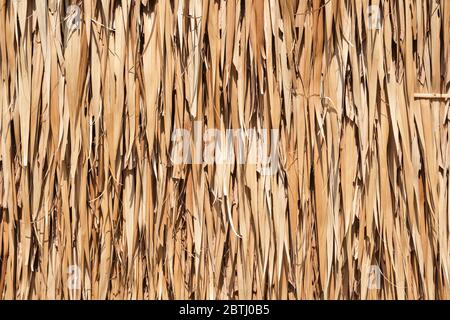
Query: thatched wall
{"x": 93, "y": 204}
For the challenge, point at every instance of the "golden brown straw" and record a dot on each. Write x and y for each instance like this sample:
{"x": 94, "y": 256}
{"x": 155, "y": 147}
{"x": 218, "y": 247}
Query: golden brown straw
{"x": 94, "y": 207}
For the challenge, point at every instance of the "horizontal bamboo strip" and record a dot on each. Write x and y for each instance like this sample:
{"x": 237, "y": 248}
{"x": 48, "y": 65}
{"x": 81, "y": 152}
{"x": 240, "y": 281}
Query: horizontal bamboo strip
{"x": 431, "y": 96}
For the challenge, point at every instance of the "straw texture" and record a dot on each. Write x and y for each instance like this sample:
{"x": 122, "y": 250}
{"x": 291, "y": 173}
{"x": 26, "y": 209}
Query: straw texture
{"x": 92, "y": 206}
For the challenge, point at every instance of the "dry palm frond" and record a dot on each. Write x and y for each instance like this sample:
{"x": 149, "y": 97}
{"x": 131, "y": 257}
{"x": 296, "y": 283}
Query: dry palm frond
{"x": 93, "y": 206}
